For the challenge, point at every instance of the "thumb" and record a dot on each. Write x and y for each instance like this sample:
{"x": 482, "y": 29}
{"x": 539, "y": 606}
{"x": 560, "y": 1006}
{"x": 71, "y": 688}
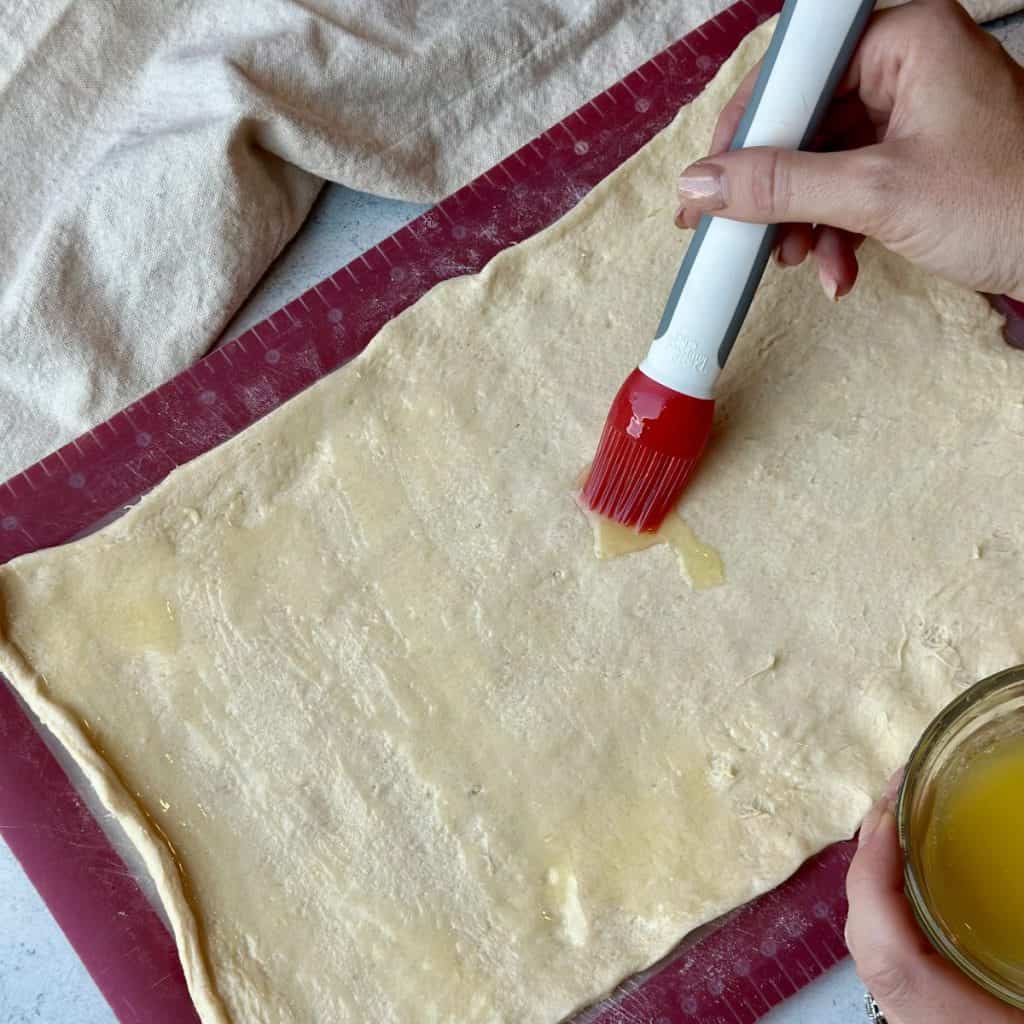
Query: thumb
{"x": 849, "y": 190}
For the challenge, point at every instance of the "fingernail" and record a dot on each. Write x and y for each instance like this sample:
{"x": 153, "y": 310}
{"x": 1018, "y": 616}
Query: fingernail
{"x": 892, "y": 788}
{"x": 791, "y": 254}
{"x": 829, "y": 284}
{"x": 703, "y": 184}
{"x": 871, "y": 822}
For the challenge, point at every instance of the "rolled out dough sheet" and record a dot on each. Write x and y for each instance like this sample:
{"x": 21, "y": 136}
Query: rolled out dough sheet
{"x": 397, "y": 747}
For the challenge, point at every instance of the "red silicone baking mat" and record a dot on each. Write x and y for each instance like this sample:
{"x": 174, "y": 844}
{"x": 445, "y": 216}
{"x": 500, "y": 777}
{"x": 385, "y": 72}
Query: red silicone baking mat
{"x": 763, "y": 952}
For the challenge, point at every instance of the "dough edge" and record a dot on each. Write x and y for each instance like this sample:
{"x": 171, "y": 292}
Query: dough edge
{"x": 154, "y": 849}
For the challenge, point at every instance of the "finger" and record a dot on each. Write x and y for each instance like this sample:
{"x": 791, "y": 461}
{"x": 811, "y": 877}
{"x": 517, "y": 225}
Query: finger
{"x": 891, "y": 792}
{"x": 908, "y": 979}
{"x": 688, "y": 217}
{"x": 794, "y": 243}
{"x": 880, "y": 928}
{"x": 836, "y": 254}
{"x": 732, "y": 113}
{"x": 883, "y": 26}
{"x": 853, "y": 190}
{"x": 893, "y": 37}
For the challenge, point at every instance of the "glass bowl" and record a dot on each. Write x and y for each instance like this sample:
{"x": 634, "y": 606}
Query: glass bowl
{"x": 988, "y": 714}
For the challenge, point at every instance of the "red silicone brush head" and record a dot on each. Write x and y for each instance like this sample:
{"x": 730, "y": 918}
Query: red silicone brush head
{"x": 652, "y": 440}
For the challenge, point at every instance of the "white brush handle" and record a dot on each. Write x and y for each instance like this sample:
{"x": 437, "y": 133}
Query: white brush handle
{"x": 809, "y": 53}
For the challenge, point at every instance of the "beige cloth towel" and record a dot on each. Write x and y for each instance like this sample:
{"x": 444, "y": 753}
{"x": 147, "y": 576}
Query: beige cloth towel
{"x": 158, "y": 156}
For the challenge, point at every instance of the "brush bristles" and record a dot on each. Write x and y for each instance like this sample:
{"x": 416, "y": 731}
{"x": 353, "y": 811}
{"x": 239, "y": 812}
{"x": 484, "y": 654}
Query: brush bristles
{"x": 652, "y": 439}
{"x": 633, "y": 484}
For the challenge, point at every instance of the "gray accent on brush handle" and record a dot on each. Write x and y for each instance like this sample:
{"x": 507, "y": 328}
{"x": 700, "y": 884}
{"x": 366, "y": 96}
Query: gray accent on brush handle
{"x": 765, "y": 249}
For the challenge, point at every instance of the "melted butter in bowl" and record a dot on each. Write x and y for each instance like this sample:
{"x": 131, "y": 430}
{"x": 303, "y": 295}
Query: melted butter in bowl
{"x": 973, "y": 856}
{"x": 961, "y": 824}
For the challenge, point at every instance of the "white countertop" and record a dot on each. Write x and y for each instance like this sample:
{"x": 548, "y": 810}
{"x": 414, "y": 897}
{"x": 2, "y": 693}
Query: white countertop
{"x": 41, "y": 979}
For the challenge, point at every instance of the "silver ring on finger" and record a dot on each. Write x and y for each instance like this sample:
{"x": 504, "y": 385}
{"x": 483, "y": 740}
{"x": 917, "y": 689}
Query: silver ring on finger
{"x": 874, "y": 1011}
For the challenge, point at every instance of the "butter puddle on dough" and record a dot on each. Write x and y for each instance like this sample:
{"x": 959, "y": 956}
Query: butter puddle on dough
{"x": 700, "y": 563}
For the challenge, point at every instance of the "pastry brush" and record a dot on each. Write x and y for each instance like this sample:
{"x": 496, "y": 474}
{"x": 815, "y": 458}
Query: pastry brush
{"x": 660, "y": 420}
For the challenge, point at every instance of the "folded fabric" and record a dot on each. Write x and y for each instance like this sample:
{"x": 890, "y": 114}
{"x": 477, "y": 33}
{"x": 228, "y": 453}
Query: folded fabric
{"x": 159, "y": 156}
